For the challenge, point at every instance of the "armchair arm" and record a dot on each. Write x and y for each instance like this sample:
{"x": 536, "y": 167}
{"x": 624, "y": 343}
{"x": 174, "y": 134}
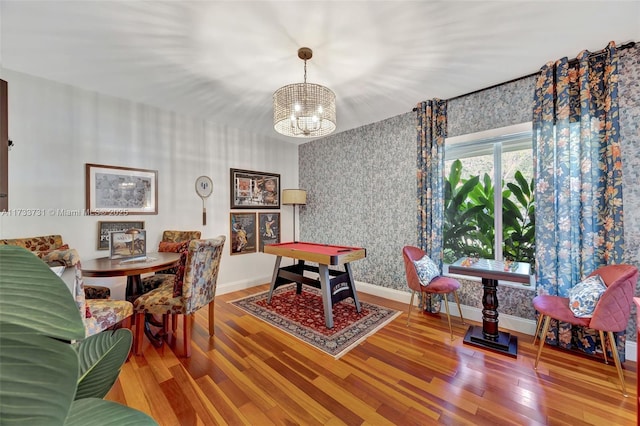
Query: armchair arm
{"x": 69, "y": 257}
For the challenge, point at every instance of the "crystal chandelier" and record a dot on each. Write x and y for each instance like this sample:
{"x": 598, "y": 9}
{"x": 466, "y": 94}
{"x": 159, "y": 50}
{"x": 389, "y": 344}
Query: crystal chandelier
{"x": 304, "y": 110}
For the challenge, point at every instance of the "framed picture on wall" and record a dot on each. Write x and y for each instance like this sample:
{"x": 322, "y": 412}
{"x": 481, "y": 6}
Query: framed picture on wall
{"x": 106, "y": 228}
{"x": 268, "y": 229}
{"x": 243, "y": 233}
{"x": 111, "y": 190}
{"x": 254, "y": 190}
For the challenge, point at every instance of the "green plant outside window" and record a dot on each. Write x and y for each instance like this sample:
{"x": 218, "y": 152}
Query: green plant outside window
{"x": 470, "y": 221}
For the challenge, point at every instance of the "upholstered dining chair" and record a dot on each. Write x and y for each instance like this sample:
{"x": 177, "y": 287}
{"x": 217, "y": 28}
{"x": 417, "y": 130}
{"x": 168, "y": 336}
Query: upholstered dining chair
{"x": 197, "y": 290}
{"x": 172, "y": 241}
{"x": 611, "y": 312}
{"x": 438, "y": 285}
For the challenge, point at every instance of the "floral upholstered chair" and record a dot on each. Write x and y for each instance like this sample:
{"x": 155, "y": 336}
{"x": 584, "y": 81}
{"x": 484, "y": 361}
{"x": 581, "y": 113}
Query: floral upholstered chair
{"x": 97, "y": 314}
{"x": 184, "y": 294}
{"x": 172, "y": 241}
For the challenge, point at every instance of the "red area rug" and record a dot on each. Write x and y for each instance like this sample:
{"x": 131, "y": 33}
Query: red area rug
{"x": 302, "y": 316}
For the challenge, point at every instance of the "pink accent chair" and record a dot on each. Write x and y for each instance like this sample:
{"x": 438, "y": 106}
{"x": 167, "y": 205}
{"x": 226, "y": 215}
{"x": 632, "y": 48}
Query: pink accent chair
{"x": 439, "y": 285}
{"x": 611, "y": 313}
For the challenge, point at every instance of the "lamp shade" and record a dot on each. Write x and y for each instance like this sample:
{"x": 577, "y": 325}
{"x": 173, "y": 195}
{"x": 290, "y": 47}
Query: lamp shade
{"x": 304, "y": 110}
{"x": 294, "y": 196}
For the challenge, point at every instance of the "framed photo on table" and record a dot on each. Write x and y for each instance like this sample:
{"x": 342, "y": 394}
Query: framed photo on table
{"x": 113, "y": 191}
{"x": 128, "y": 244}
{"x": 243, "y": 233}
{"x": 254, "y": 190}
{"x": 106, "y": 228}
{"x": 268, "y": 229}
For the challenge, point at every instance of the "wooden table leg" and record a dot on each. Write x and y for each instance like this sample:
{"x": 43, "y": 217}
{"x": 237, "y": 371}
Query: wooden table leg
{"x": 134, "y": 288}
{"x": 490, "y": 309}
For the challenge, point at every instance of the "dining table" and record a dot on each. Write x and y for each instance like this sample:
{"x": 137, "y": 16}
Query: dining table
{"x": 105, "y": 267}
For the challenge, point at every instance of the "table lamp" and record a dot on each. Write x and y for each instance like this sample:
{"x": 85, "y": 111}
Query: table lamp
{"x": 133, "y": 232}
{"x": 294, "y": 197}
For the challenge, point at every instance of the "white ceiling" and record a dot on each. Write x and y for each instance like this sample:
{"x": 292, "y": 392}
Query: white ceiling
{"x": 222, "y": 60}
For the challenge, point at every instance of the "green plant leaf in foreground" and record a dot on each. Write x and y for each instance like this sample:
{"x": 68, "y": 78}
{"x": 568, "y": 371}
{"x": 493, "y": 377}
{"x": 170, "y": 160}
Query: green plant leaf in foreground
{"x": 101, "y": 357}
{"x": 39, "y": 365}
{"x": 98, "y": 412}
{"x": 38, "y": 377}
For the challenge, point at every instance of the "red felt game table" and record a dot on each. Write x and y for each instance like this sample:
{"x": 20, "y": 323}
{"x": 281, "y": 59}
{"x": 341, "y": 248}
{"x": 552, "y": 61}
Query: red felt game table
{"x": 334, "y": 285}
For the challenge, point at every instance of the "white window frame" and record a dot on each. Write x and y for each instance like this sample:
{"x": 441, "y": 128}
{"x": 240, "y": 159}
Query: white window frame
{"x": 494, "y": 141}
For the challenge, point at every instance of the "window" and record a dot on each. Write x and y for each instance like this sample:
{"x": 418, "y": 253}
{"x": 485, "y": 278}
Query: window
{"x": 489, "y": 194}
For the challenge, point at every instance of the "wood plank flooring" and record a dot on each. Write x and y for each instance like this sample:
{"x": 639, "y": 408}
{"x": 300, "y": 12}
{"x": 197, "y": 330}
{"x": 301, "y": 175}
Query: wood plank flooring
{"x": 250, "y": 373}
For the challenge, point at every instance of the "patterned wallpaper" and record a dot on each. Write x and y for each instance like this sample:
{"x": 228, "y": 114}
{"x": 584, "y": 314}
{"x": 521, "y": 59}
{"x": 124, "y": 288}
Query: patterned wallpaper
{"x": 361, "y": 183}
{"x": 361, "y": 191}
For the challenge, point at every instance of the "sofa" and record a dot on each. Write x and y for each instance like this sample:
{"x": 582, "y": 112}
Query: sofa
{"x": 97, "y": 310}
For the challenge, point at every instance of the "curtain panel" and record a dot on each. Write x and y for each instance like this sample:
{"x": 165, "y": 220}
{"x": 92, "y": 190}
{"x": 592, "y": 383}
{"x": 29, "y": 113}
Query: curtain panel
{"x": 431, "y": 133}
{"x": 578, "y": 174}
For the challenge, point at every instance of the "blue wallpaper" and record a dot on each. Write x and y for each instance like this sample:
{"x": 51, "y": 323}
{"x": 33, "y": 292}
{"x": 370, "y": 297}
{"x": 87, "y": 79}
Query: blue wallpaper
{"x": 361, "y": 183}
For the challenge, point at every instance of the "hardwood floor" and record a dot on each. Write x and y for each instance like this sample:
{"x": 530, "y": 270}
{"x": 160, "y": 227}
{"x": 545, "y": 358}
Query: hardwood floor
{"x": 253, "y": 374}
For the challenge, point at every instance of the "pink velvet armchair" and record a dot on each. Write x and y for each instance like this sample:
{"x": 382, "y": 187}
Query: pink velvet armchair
{"x": 439, "y": 285}
{"x": 611, "y": 312}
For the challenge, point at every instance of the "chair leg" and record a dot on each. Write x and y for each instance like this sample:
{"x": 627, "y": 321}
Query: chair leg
{"x": 186, "y": 333}
{"x": 535, "y": 335}
{"x": 137, "y": 338}
{"x": 166, "y": 318}
{"x": 211, "y": 319}
{"x": 455, "y": 296}
{"x": 174, "y": 323}
{"x": 543, "y": 337}
{"x": 616, "y": 359}
{"x": 446, "y": 307}
{"x": 410, "y": 306}
{"x": 604, "y": 346}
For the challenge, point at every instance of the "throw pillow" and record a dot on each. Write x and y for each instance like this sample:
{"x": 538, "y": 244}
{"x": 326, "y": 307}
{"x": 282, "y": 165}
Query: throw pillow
{"x": 584, "y": 296}
{"x": 183, "y": 249}
{"x": 427, "y": 269}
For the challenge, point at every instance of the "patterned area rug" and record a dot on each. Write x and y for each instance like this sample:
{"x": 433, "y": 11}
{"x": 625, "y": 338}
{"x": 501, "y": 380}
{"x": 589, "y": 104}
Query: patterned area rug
{"x": 302, "y": 316}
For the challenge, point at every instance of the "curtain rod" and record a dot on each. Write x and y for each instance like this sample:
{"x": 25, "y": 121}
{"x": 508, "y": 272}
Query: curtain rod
{"x": 571, "y": 62}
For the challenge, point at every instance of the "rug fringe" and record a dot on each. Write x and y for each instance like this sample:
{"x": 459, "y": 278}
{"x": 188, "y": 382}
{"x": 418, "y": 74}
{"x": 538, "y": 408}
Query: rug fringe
{"x": 372, "y": 332}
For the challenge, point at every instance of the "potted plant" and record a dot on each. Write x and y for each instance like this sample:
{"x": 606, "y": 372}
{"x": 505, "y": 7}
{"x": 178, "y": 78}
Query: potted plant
{"x": 50, "y": 374}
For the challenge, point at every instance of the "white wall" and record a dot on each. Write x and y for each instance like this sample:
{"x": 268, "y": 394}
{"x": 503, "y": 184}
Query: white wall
{"x": 57, "y": 128}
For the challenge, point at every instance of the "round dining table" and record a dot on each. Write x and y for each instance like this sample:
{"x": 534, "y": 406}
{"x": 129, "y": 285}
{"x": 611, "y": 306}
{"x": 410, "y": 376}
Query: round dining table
{"x": 131, "y": 268}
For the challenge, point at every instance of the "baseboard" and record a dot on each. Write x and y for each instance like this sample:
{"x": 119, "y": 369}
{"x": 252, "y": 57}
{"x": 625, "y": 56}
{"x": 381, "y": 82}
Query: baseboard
{"x": 240, "y": 285}
{"x": 508, "y": 322}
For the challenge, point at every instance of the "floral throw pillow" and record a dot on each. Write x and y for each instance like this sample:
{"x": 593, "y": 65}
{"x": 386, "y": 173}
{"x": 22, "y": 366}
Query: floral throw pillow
{"x": 426, "y": 269}
{"x": 584, "y": 296}
{"x": 183, "y": 249}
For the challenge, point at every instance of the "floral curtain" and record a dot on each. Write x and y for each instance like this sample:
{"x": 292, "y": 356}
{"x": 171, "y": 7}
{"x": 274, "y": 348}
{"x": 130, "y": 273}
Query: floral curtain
{"x": 578, "y": 172}
{"x": 431, "y": 130}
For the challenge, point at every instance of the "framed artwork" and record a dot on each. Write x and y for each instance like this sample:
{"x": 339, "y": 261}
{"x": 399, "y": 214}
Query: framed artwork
{"x": 268, "y": 229}
{"x": 127, "y": 244}
{"x": 254, "y": 190}
{"x": 106, "y": 228}
{"x": 243, "y": 233}
{"x": 114, "y": 191}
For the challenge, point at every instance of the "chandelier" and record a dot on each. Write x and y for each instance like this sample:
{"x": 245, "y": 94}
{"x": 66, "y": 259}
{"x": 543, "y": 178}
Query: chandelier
{"x": 304, "y": 110}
